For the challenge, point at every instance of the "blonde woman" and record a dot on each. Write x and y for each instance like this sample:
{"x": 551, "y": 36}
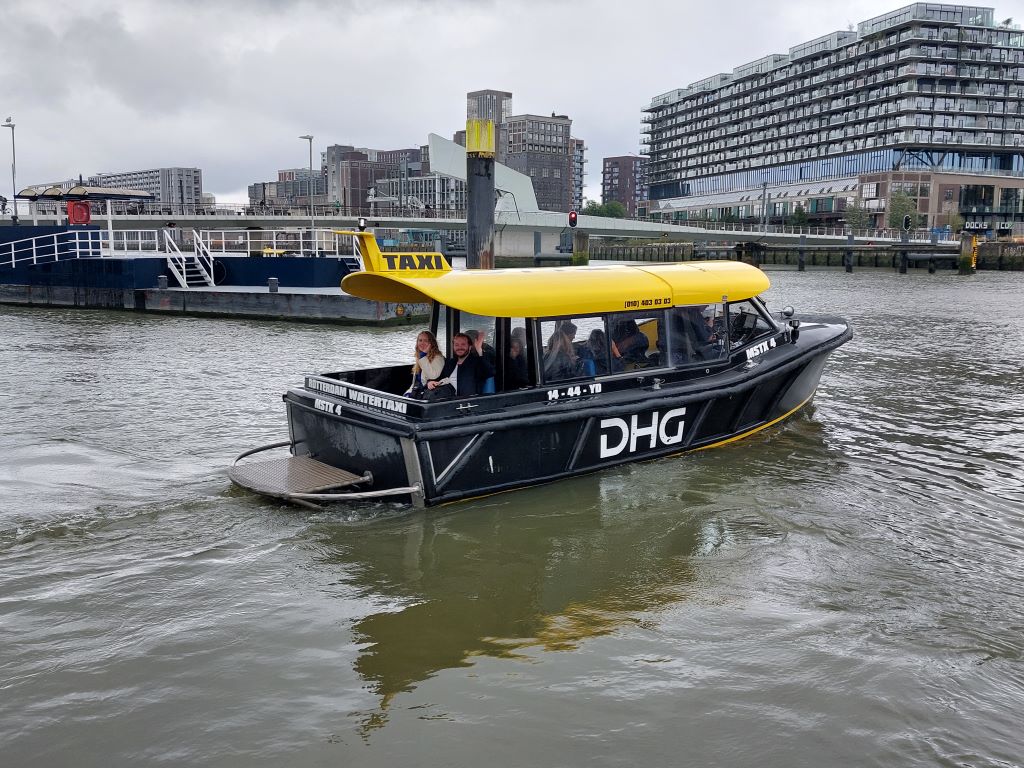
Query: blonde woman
{"x": 560, "y": 359}
{"x": 428, "y": 362}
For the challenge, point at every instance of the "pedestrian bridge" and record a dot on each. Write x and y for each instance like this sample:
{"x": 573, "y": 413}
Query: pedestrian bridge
{"x": 514, "y": 230}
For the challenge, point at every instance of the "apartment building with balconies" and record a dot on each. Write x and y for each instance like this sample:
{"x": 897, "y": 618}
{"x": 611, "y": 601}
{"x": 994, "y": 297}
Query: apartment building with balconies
{"x": 927, "y": 90}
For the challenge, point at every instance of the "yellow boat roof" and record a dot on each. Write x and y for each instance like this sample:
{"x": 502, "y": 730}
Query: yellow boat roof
{"x": 566, "y": 290}
{"x": 421, "y": 278}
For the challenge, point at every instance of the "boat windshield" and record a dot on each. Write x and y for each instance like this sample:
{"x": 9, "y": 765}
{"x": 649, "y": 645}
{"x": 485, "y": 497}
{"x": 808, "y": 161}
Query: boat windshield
{"x": 747, "y": 323}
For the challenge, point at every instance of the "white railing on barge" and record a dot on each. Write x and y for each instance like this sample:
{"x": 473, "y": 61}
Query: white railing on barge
{"x": 275, "y": 242}
{"x": 44, "y": 249}
{"x": 201, "y": 245}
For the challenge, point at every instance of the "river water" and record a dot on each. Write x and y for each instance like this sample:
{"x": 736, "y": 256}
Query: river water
{"x": 844, "y": 589}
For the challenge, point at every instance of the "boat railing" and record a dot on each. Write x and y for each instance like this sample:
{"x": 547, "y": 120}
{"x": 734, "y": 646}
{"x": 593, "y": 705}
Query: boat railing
{"x": 128, "y": 242}
{"x": 274, "y": 242}
{"x": 199, "y": 247}
{"x": 46, "y": 249}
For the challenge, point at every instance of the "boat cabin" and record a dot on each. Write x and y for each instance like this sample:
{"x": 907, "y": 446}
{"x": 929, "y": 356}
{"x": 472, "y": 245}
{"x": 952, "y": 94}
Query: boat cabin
{"x": 567, "y": 332}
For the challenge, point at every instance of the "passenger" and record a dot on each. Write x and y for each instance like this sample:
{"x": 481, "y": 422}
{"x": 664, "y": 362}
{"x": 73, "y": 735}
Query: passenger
{"x": 693, "y": 338}
{"x": 681, "y": 337}
{"x": 569, "y": 329}
{"x": 485, "y": 350}
{"x": 427, "y": 365}
{"x": 560, "y": 359}
{"x": 632, "y": 343}
{"x": 520, "y": 334}
{"x": 518, "y": 374}
{"x": 464, "y": 374}
{"x": 597, "y": 350}
{"x": 702, "y": 326}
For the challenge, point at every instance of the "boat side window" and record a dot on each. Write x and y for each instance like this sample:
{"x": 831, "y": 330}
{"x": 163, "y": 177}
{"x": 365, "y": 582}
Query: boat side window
{"x": 637, "y": 340}
{"x": 517, "y": 365}
{"x": 746, "y": 323}
{"x": 697, "y": 334}
{"x": 567, "y": 353}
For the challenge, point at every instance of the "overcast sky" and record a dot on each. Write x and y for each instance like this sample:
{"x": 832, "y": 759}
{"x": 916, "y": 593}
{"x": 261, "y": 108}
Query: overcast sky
{"x": 229, "y": 85}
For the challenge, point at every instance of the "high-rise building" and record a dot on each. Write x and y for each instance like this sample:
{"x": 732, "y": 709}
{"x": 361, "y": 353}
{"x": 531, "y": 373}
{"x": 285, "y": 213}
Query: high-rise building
{"x": 491, "y": 105}
{"x": 927, "y": 99}
{"x": 431, "y": 193}
{"x": 352, "y": 173}
{"x": 488, "y": 105}
{"x": 347, "y": 178}
{"x": 621, "y": 181}
{"x": 541, "y": 148}
{"x": 291, "y": 190}
{"x": 167, "y": 185}
{"x": 579, "y": 172}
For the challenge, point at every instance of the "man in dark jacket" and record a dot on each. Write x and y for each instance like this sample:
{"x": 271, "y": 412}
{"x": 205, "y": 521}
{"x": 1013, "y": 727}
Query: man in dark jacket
{"x": 465, "y": 370}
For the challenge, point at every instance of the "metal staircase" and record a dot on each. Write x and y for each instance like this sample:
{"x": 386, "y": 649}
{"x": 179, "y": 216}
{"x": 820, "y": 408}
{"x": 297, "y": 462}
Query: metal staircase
{"x": 190, "y": 270}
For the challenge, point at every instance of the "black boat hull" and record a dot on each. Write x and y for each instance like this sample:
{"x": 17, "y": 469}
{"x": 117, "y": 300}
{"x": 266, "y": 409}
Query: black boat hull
{"x": 473, "y": 450}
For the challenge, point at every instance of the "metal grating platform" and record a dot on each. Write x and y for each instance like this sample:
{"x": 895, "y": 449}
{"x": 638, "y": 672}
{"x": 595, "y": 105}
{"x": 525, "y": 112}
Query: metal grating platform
{"x": 292, "y": 474}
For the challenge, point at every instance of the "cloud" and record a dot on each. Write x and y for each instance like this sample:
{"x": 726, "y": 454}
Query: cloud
{"x": 229, "y": 86}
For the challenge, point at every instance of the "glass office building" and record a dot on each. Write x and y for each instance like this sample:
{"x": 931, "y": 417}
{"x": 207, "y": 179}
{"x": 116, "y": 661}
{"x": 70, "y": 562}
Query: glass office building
{"x": 924, "y": 96}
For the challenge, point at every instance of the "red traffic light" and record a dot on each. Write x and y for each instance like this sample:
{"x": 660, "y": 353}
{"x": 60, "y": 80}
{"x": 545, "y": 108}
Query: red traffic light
{"x": 572, "y": 218}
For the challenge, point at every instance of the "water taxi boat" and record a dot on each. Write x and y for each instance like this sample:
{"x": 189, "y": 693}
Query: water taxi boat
{"x": 593, "y": 367}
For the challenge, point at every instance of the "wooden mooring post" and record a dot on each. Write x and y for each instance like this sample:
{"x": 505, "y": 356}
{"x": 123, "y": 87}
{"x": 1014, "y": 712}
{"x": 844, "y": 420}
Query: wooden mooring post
{"x": 801, "y": 254}
{"x": 848, "y": 253}
{"x": 904, "y": 243}
{"x": 968, "y": 254}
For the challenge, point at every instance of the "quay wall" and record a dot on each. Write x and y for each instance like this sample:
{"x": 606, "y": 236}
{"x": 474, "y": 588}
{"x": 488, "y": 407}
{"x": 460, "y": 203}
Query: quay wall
{"x": 991, "y": 256}
{"x": 296, "y": 306}
{"x": 317, "y": 307}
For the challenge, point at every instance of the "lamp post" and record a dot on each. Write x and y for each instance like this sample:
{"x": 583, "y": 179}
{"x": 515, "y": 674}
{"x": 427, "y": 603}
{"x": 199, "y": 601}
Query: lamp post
{"x": 14, "y": 174}
{"x": 764, "y": 206}
{"x": 312, "y": 223}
